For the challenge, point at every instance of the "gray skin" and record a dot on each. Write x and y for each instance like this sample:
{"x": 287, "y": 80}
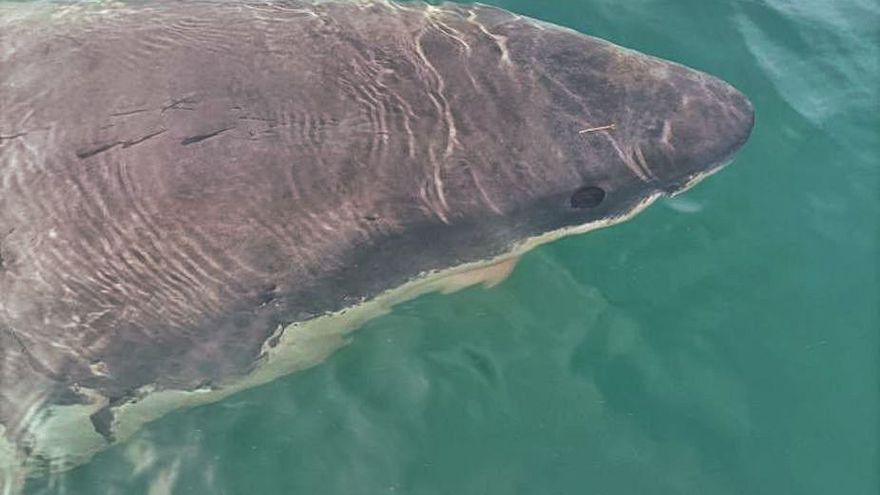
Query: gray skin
{"x": 179, "y": 179}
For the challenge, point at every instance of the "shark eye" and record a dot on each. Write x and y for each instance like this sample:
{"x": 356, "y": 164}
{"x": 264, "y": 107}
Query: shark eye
{"x": 587, "y": 197}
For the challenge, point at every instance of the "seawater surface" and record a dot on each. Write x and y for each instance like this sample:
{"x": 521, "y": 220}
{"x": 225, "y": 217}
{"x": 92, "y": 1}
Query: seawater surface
{"x": 723, "y": 342}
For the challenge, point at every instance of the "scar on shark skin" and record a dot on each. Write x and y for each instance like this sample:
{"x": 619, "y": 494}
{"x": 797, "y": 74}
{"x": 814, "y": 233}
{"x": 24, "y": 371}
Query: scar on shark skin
{"x": 609, "y": 127}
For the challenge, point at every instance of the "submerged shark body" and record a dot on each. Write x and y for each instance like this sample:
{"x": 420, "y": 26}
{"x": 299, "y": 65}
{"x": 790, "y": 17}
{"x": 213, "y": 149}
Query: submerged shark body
{"x": 196, "y": 198}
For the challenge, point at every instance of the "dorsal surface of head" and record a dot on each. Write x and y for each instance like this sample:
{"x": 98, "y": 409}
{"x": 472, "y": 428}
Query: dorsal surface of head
{"x": 576, "y": 129}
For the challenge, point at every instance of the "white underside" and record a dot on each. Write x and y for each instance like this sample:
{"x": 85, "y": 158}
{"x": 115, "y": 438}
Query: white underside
{"x": 65, "y": 434}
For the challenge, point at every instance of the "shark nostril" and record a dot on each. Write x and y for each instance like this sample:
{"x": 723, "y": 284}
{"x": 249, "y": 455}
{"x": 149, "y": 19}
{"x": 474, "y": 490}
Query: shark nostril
{"x": 587, "y": 197}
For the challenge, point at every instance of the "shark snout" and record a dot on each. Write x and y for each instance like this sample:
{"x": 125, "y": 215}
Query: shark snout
{"x": 728, "y": 117}
{"x": 708, "y": 124}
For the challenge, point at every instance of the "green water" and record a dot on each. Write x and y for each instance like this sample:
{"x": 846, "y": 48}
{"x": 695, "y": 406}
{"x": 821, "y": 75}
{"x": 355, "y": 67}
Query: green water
{"x": 726, "y": 342}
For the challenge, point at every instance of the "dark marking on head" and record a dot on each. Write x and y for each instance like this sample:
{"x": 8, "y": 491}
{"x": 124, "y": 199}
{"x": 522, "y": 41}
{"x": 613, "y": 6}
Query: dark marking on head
{"x": 201, "y": 137}
{"x": 587, "y": 197}
{"x": 139, "y": 255}
{"x": 90, "y": 152}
